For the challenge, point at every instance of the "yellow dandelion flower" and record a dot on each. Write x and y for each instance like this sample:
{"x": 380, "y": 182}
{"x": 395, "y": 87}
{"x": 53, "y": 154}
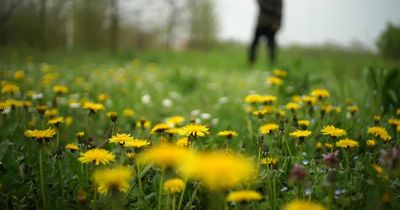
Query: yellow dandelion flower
{"x": 380, "y": 132}
{"x": 280, "y": 73}
{"x": 268, "y": 128}
{"x": 51, "y": 112}
{"x": 309, "y": 100}
{"x": 318, "y": 145}
{"x": 112, "y": 179}
{"x": 182, "y": 142}
{"x": 303, "y": 123}
{"x": 80, "y": 134}
{"x": 15, "y": 103}
{"x": 113, "y": 116}
{"x": 72, "y": 147}
{"x": 303, "y": 205}
{"x": 69, "y": 120}
{"x": 352, "y": 109}
{"x": 97, "y": 156}
{"x": 121, "y": 138}
{"x": 260, "y": 113}
{"x": 4, "y": 105}
{"x": 378, "y": 169}
{"x": 332, "y": 131}
{"x": 327, "y": 108}
{"x": 56, "y": 121}
{"x": 60, "y": 89}
{"x": 173, "y": 131}
{"x": 394, "y": 122}
{"x": 127, "y": 112}
{"x": 320, "y": 93}
{"x": 243, "y": 196}
{"x": 228, "y": 134}
{"x": 143, "y": 123}
{"x": 93, "y": 107}
{"x": 130, "y": 155}
{"x": 41, "y": 134}
{"x": 347, "y": 143}
{"x": 160, "y": 128}
{"x": 300, "y": 133}
{"x": 10, "y": 88}
{"x": 275, "y": 81}
{"x": 137, "y": 143}
{"x": 292, "y": 106}
{"x": 267, "y": 99}
{"x": 165, "y": 155}
{"x": 219, "y": 170}
{"x": 371, "y": 143}
{"x": 173, "y": 186}
{"x": 252, "y": 99}
{"x": 269, "y": 161}
{"x": 19, "y": 75}
{"x": 297, "y": 99}
{"x": 328, "y": 145}
{"x": 194, "y": 130}
{"x": 102, "y": 97}
{"x": 175, "y": 120}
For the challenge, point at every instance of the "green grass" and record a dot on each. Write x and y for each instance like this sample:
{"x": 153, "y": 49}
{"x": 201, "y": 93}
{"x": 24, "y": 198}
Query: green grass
{"x": 213, "y": 83}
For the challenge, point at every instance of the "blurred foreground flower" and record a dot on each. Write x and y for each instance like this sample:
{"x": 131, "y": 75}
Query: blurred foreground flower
{"x": 165, "y": 155}
{"x": 243, "y": 196}
{"x": 219, "y": 170}
{"x": 112, "y": 180}
{"x": 303, "y": 205}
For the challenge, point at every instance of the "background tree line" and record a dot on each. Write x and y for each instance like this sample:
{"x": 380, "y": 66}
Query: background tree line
{"x": 113, "y": 24}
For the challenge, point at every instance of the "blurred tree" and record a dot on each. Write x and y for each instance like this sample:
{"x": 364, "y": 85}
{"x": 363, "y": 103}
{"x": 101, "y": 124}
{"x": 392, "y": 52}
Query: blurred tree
{"x": 7, "y": 8}
{"x": 174, "y": 20}
{"x": 389, "y": 41}
{"x": 43, "y": 25}
{"x": 69, "y": 23}
{"x": 114, "y": 25}
{"x": 203, "y": 24}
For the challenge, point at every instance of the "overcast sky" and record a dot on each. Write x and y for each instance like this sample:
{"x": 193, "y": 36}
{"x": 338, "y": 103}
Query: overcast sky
{"x": 312, "y": 21}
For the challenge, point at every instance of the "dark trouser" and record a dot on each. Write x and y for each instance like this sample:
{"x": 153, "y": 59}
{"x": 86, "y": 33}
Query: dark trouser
{"x": 270, "y": 35}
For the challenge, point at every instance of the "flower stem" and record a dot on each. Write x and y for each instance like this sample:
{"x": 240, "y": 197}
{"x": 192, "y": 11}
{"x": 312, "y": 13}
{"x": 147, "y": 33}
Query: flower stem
{"x": 182, "y": 194}
{"x": 160, "y": 189}
{"x": 42, "y": 184}
{"x": 193, "y": 195}
{"x": 173, "y": 202}
{"x": 61, "y": 177}
{"x": 258, "y": 159}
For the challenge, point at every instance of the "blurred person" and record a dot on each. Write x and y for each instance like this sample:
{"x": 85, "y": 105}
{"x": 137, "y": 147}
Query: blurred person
{"x": 269, "y": 22}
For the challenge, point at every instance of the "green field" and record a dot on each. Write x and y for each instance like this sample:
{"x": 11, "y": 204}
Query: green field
{"x": 208, "y": 88}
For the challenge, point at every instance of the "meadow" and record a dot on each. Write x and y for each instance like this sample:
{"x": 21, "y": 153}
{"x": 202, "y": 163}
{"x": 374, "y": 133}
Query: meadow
{"x": 161, "y": 129}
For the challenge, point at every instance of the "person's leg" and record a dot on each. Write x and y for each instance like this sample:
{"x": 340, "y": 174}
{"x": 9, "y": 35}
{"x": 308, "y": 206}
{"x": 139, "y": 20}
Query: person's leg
{"x": 271, "y": 46}
{"x": 253, "y": 46}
